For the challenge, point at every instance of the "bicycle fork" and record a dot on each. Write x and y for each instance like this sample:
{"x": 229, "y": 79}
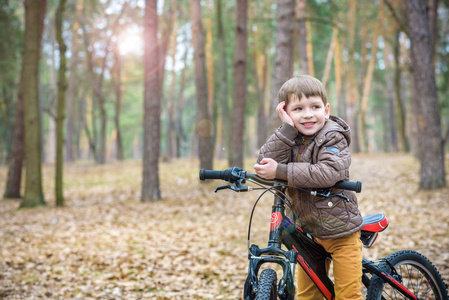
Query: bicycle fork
{"x": 273, "y": 254}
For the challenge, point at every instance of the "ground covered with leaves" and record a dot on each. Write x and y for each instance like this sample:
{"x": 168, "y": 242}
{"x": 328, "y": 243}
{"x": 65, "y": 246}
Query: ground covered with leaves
{"x": 105, "y": 244}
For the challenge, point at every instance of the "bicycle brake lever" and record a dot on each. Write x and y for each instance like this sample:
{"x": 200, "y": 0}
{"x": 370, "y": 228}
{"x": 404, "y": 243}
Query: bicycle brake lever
{"x": 223, "y": 187}
{"x": 236, "y": 188}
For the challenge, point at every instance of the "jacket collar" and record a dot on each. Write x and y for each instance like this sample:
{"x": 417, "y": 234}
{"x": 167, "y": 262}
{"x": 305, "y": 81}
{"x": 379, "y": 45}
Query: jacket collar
{"x": 333, "y": 124}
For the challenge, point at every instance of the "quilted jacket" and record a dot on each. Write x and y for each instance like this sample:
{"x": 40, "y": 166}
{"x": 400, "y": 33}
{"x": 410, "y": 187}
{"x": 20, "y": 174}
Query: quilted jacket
{"x": 314, "y": 162}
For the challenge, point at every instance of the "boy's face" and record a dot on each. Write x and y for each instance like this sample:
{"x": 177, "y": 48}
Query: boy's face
{"x": 308, "y": 114}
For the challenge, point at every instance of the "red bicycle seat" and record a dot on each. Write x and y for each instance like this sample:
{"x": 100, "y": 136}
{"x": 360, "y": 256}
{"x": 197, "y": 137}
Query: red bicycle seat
{"x": 375, "y": 223}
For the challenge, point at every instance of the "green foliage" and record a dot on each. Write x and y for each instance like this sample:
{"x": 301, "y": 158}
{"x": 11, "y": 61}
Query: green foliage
{"x": 11, "y": 46}
{"x": 11, "y": 43}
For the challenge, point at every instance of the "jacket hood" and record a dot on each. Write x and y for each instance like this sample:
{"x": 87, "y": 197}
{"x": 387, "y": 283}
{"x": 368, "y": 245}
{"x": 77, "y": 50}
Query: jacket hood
{"x": 334, "y": 124}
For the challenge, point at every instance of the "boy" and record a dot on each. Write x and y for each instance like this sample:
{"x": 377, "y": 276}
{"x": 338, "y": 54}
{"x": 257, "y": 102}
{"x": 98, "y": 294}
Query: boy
{"x": 310, "y": 150}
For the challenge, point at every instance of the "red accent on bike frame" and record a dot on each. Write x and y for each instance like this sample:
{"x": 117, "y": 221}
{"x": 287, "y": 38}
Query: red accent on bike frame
{"x": 314, "y": 277}
{"x": 400, "y": 285}
{"x": 276, "y": 219}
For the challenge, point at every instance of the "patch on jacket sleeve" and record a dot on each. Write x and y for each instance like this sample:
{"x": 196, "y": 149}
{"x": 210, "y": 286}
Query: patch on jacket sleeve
{"x": 333, "y": 149}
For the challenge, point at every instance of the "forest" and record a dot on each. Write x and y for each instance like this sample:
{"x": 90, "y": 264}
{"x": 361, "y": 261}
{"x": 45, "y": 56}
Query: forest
{"x": 109, "y": 108}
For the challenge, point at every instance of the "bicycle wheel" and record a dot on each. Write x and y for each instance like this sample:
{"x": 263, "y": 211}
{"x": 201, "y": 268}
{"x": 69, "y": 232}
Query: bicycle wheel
{"x": 417, "y": 274}
{"x": 267, "y": 287}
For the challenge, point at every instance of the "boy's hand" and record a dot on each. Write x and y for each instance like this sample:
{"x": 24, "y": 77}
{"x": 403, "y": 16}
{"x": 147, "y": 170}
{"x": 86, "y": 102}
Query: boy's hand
{"x": 285, "y": 118}
{"x": 266, "y": 168}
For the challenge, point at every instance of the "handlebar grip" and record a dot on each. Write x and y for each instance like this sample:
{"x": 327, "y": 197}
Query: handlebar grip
{"x": 210, "y": 174}
{"x": 349, "y": 185}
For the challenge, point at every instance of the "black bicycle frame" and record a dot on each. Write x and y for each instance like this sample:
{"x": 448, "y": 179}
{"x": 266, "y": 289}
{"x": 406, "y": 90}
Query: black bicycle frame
{"x": 305, "y": 251}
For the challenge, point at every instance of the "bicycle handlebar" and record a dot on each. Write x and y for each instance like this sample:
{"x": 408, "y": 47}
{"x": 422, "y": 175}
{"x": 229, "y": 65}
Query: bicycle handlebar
{"x": 355, "y": 186}
{"x": 234, "y": 174}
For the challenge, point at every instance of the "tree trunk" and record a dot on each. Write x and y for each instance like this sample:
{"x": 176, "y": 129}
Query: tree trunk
{"x": 431, "y": 154}
{"x": 393, "y": 136}
{"x": 84, "y": 125}
{"x": 13, "y": 183}
{"x": 260, "y": 78}
{"x": 171, "y": 134}
{"x": 283, "y": 67}
{"x": 339, "y": 86}
{"x": 95, "y": 81}
{"x": 49, "y": 137}
{"x": 152, "y": 106}
{"x": 72, "y": 85}
{"x": 310, "y": 49}
{"x": 302, "y": 37}
{"x": 433, "y": 27}
{"x": 367, "y": 82}
{"x": 210, "y": 64}
{"x": 118, "y": 87}
{"x": 399, "y": 103}
{"x": 204, "y": 124}
{"x": 223, "y": 137}
{"x": 330, "y": 53}
{"x": 353, "y": 94}
{"x": 101, "y": 157}
{"x": 34, "y": 17}
{"x": 363, "y": 56}
{"x": 79, "y": 123}
{"x": 62, "y": 87}
{"x": 238, "y": 120}
{"x": 180, "y": 135}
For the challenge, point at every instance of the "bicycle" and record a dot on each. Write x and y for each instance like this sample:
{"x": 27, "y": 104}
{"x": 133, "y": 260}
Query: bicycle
{"x": 404, "y": 274}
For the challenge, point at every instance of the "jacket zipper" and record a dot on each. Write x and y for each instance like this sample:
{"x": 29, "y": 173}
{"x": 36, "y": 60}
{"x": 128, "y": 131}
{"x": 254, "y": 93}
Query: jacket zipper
{"x": 301, "y": 148}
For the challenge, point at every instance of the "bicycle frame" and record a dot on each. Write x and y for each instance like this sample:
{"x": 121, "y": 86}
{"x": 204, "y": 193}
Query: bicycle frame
{"x": 305, "y": 251}
{"x": 302, "y": 248}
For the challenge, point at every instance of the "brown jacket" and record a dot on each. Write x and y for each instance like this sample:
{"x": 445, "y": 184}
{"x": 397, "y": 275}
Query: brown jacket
{"x": 314, "y": 162}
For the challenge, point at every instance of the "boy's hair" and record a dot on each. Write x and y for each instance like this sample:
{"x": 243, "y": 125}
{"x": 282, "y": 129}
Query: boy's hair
{"x": 302, "y": 85}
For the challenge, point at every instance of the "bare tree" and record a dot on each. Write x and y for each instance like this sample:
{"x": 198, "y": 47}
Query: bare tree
{"x": 204, "y": 124}
{"x": 13, "y": 183}
{"x": 62, "y": 87}
{"x": 302, "y": 36}
{"x": 223, "y": 137}
{"x": 34, "y": 16}
{"x": 72, "y": 85}
{"x": 431, "y": 154}
{"x": 283, "y": 66}
{"x": 352, "y": 91}
{"x": 238, "y": 121}
{"x": 118, "y": 91}
{"x": 152, "y": 106}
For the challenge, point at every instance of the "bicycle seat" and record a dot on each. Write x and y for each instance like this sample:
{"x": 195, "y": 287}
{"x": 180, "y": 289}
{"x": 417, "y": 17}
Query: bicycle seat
{"x": 375, "y": 223}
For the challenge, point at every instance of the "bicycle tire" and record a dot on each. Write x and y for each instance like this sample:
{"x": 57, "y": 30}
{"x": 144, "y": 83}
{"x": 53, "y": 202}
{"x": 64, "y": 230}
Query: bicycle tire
{"x": 267, "y": 287}
{"x": 418, "y": 274}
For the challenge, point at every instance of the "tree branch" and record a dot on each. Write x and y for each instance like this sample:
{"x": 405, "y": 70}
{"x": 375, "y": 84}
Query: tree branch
{"x": 402, "y": 25}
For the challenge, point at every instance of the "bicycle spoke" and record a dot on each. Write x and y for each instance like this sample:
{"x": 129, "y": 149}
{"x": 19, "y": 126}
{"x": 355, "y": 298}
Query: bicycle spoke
{"x": 410, "y": 267}
{"x": 419, "y": 284}
{"x": 414, "y": 280}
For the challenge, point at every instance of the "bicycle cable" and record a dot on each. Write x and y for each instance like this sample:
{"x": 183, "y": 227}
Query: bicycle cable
{"x": 286, "y": 200}
{"x": 267, "y": 189}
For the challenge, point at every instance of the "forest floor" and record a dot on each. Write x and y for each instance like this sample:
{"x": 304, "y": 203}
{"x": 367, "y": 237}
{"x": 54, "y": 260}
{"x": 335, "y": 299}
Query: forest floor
{"x": 105, "y": 244}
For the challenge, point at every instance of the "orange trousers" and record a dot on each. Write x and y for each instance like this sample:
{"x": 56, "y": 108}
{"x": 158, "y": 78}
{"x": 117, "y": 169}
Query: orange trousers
{"x": 346, "y": 255}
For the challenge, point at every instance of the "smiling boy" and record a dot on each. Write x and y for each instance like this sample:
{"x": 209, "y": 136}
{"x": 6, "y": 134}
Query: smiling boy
{"x": 311, "y": 150}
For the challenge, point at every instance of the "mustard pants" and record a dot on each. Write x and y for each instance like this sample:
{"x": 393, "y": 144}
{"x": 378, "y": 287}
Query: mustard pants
{"x": 346, "y": 255}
